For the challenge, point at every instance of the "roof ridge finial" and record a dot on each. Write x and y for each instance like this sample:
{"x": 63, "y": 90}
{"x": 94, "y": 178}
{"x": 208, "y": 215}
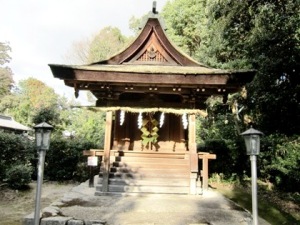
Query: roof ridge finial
{"x": 154, "y": 8}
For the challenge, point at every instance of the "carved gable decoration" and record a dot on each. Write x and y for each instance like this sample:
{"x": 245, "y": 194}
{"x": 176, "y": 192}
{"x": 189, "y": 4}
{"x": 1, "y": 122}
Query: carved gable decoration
{"x": 152, "y": 52}
{"x": 152, "y": 55}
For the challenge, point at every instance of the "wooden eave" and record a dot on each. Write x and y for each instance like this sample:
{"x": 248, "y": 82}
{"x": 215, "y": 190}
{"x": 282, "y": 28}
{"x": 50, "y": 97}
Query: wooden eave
{"x": 142, "y": 74}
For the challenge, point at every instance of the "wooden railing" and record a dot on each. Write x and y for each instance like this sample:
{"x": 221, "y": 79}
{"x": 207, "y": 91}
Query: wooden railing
{"x": 205, "y": 156}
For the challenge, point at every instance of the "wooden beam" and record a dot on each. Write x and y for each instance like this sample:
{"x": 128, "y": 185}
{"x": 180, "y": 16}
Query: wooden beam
{"x": 106, "y": 155}
{"x": 205, "y": 156}
{"x": 93, "y": 152}
{"x": 149, "y": 78}
{"x": 142, "y": 104}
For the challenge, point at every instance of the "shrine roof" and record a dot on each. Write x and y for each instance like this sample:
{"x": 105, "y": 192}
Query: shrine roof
{"x": 153, "y": 69}
{"x": 150, "y": 53}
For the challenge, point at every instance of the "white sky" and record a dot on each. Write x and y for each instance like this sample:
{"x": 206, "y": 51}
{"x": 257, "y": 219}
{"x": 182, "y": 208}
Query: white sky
{"x": 41, "y": 32}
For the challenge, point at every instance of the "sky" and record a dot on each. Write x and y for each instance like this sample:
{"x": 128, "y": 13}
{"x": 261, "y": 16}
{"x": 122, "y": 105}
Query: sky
{"x": 41, "y": 32}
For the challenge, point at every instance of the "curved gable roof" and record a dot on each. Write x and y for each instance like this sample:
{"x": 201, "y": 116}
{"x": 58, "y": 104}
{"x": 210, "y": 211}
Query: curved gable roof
{"x": 152, "y": 66}
{"x": 151, "y": 47}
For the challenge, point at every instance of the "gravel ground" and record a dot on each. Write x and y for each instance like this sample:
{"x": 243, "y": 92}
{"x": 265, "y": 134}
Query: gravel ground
{"x": 156, "y": 209}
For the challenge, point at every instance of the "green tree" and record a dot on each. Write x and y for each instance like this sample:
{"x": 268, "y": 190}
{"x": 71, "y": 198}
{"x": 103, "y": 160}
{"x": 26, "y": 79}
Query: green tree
{"x": 100, "y": 46}
{"x": 105, "y": 44}
{"x": 6, "y": 79}
{"x": 185, "y": 22}
{"x": 31, "y": 100}
{"x": 261, "y": 35}
{"x": 86, "y": 124}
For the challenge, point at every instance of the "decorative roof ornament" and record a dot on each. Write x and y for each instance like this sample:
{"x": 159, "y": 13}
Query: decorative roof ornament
{"x": 154, "y": 8}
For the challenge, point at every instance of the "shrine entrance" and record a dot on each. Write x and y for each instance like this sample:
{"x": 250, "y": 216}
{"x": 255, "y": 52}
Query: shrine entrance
{"x": 161, "y": 132}
{"x": 151, "y": 93}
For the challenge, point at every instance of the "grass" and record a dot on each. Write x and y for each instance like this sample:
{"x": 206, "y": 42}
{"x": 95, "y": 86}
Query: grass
{"x": 267, "y": 210}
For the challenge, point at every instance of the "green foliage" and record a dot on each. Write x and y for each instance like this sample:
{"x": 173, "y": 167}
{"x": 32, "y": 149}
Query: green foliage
{"x": 6, "y": 79}
{"x": 280, "y": 161}
{"x": 106, "y": 43}
{"x": 4, "y": 53}
{"x": 86, "y": 124}
{"x": 14, "y": 150}
{"x": 185, "y": 20}
{"x": 51, "y": 115}
{"x": 217, "y": 134}
{"x": 64, "y": 159}
{"x": 261, "y": 35}
{"x": 31, "y": 102}
{"x": 267, "y": 35}
{"x": 18, "y": 176}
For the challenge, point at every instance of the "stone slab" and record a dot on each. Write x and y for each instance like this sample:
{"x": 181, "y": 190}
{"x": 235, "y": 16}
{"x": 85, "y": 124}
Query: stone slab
{"x": 59, "y": 220}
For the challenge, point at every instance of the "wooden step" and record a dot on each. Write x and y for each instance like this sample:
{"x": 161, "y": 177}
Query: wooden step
{"x": 154, "y": 181}
{"x": 148, "y": 165}
{"x": 142, "y": 170}
{"x": 149, "y": 174}
{"x": 179, "y": 155}
{"x": 157, "y": 160}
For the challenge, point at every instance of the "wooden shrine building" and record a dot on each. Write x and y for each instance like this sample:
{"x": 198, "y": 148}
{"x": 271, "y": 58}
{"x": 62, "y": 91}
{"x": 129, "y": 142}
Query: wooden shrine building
{"x": 151, "y": 93}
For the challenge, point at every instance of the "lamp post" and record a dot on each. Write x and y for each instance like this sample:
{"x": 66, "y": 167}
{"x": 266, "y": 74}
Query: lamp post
{"x": 42, "y": 139}
{"x": 252, "y": 141}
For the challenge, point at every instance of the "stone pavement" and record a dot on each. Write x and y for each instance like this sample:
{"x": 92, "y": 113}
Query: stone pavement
{"x": 81, "y": 207}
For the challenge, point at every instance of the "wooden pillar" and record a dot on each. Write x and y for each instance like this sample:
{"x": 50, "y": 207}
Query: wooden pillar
{"x": 205, "y": 172}
{"x": 193, "y": 155}
{"x": 106, "y": 154}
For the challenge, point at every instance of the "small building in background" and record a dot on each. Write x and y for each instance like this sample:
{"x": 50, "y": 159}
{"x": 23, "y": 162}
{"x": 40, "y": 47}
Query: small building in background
{"x": 8, "y": 124}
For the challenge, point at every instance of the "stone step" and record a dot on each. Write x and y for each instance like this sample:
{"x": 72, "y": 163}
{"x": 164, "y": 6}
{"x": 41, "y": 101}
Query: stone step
{"x": 145, "y": 189}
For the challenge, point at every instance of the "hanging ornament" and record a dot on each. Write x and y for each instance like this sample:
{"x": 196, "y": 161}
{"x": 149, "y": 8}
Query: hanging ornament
{"x": 122, "y": 117}
{"x": 162, "y": 119}
{"x": 140, "y": 120}
{"x": 184, "y": 121}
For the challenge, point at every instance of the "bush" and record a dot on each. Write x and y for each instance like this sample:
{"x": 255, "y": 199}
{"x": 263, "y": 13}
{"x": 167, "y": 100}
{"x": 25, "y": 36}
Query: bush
{"x": 65, "y": 161}
{"x": 281, "y": 161}
{"x": 230, "y": 158}
{"x": 18, "y": 176}
{"x": 14, "y": 149}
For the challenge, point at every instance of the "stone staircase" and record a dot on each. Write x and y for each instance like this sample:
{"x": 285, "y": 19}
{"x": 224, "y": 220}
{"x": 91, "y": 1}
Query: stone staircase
{"x": 147, "y": 172}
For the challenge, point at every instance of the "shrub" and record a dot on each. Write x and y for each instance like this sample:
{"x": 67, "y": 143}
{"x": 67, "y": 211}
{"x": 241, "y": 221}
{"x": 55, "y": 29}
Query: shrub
{"x": 14, "y": 149}
{"x": 18, "y": 176}
{"x": 64, "y": 159}
{"x": 280, "y": 161}
{"x": 230, "y": 158}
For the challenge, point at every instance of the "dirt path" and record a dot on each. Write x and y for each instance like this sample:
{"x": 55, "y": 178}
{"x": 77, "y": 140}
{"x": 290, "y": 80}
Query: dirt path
{"x": 14, "y": 205}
